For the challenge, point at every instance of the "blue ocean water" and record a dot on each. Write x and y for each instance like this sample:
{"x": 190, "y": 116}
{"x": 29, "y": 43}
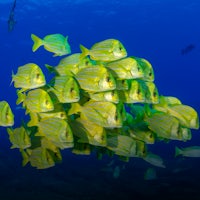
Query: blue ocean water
{"x": 158, "y": 31}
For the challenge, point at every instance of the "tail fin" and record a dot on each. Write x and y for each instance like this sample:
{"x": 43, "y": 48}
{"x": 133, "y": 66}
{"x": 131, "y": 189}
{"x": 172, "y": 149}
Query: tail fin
{"x": 21, "y": 97}
{"x": 75, "y": 108}
{"x": 13, "y": 75}
{"x": 51, "y": 69}
{"x": 178, "y": 151}
{"x": 33, "y": 119}
{"x": 25, "y": 157}
{"x": 85, "y": 51}
{"x": 37, "y": 42}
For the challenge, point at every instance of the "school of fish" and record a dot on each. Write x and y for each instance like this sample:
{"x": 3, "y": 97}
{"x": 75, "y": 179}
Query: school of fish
{"x": 99, "y": 100}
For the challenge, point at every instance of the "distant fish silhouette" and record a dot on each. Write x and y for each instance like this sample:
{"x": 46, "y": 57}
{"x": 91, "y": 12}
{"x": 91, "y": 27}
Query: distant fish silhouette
{"x": 11, "y": 20}
{"x": 187, "y": 49}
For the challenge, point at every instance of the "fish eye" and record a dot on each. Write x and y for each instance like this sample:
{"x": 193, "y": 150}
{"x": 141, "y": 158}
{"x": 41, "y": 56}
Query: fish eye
{"x": 56, "y": 155}
{"x": 47, "y": 102}
{"x": 7, "y": 113}
{"x": 120, "y": 48}
{"x": 144, "y": 151}
{"x": 107, "y": 79}
{"x": 138, "y": 68}
{"x": 154, "y": 93}
{"x": 61, "y": 115}
{"x": 150, "y": 73}
{"x": 151, "y": 135}
{"x": 86, "y": 62}
{"x": 71, "y": 89}
{"x": 37, "y": 76}
{"x": 138, "y": 91}
{"x": 116, "y": 117}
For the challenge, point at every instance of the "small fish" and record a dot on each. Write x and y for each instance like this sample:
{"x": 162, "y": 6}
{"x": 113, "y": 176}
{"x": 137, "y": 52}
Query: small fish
{"x": 151, "y": 92}
{"x": 89, "y": 132}
{"x": 38, "y": 100}
{"x": 47, "y": 144}
{"x": 165, "y": 102}
{"x": 186, "y": 115}
{"x": 147, "y": 69}
{"x": 187, "y": 49}
{"x": 125, "y": 68}
{"x": 107, "y": 50}
{"x": 66, "y": 89}
{"x": 56, "y": 130}
{"x": 70, "y": 65}
{"x": 41, "y": 158}
{"x": 135, "y": 93}
{"x": 124, "y": 145}
{"x": 103, "y": 113}
{"x": 96, "y": 79}
{"x": 154, "y": 159}
{"x": 116, "y": 172}
{"x": 58, "y": 112}
{"x": 111, "y": 96}
{"x": 150, "y": 174}
{"x": 192, "y": 151}
{"x": 55, "y": 43}
{"x": 165, "y": 125}
{"x": 11, "y": 20}
{"x": 141, "y": 132}
{"x": 28, "y": 76}
{"x": 19, "y": 137}
{"x": 6, "y": 114}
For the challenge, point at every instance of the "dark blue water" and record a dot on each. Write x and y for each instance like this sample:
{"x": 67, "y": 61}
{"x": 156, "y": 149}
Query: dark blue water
{"x": 156, "y": 30}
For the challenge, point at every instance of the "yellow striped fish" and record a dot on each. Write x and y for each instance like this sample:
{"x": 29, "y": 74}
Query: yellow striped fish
{"x": 147, "y": 69}
{"x": 56, "y": 130}
{"x": 106, "y": 50}
{"x": 66, "y": 89}
{"x": 105, "y": 114}
{"x": 38, "y": 100}
{"x": 151, "y": 92}
{"x": 166, "y": 126}
{"x": 124, "y": 145}
{"x": 125, "y": 68}
{"x": 29, "y": 76}
{"x": 6, "y": 114}
{"x": 111, "y": 96}
{"x": 55, "y": 43}
{"x": 70, "y": 65}
{"x": 19, "y": 137}
{"x": 88, "y": 132}
{"x": 134, "y": 94}
{"x": 96, "y": 79}
{"x": 41, "y": 158}
{"x": 186, "y": 115}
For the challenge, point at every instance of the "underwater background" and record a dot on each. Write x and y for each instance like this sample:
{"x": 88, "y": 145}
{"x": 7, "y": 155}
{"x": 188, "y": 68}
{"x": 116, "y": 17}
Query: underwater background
{"x": 161, "y": 32}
